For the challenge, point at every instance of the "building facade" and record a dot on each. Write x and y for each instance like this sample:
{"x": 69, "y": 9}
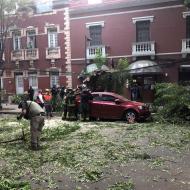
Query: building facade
{"x": 152, "y": 35}
{"x": 38, "y": 50}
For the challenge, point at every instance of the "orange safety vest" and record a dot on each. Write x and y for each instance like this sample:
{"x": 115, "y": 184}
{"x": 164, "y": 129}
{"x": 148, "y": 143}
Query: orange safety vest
{"x": 47, "y": 97}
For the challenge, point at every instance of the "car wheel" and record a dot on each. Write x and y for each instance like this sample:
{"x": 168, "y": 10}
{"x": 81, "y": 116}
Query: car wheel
{"x": 130, "y": 116}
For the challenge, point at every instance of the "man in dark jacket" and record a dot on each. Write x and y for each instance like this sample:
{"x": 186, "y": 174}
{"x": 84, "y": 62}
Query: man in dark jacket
{"x": 85, "y": 98}
{"x": 31, "y": 93}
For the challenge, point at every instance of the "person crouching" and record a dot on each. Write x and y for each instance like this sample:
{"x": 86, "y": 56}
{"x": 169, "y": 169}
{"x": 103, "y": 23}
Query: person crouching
{"x": 35, "y": 114}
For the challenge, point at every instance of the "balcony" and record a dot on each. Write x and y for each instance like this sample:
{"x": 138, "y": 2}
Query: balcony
{"x": 92, "y": 51}
{"x": 185, "y": 46}
{"x": 143, "y": 49}
{"x": 53, "y": 53}
{"x": 31, "y": 54}
{"x": 17, "y": 55}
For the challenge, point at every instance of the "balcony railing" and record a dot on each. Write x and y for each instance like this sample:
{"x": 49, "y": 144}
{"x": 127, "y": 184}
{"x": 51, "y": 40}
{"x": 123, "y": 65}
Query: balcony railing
{"x": 17, "y": 55}
{"x": 31, "y": 54}
{"x": 53, "y": 53}
{"x": 185, "y": 46}
{"x": 92, "y": 51}
{"x": 143, "y": 48}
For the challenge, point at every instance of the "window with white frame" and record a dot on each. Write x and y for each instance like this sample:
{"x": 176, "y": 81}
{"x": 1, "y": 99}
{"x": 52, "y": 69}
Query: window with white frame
{"x": 52, "y": 37}
{"x": 91, "y": 2}
{"x": 143, "y": 31}
{"x": 33, "y": 80}
{"x": 54, "y": 79}
{"x": 31, "y": 39}
{"x": 95, "y": 35}
{"x": 16, "y": 40}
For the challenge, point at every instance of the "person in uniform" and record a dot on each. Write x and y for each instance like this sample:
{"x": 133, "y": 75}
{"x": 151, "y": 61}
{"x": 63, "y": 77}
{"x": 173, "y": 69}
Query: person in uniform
{"x": 33, "y": 112}
{"x": 85, "y": 98}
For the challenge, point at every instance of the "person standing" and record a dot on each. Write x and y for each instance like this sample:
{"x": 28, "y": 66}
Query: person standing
{"x": 31, "y": 93}
{"x": 54, "y": 92}
{"x": 84, "y": 103}
{"x": 47, "y": 103}
{"x": 62, "y": 92}
{"x": 35, "y": 114}
{"x": 39, "y": 99}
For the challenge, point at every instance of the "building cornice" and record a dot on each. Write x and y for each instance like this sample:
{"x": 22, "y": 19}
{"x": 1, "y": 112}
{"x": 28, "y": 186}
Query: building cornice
{"x": 126, "y": 12}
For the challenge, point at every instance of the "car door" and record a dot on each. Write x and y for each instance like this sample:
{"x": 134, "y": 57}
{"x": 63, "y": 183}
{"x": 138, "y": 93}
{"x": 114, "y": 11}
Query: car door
{"x": 110, "y": 109}
{"x": 96, "y": 106}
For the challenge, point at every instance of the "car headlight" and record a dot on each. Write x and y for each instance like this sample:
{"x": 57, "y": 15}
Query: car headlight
{"x": 144, "y": 107}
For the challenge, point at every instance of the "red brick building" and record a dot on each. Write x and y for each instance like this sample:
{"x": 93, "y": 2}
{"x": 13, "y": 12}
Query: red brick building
{"x": 153, "y": 35}
{"x": 37, "y": 50}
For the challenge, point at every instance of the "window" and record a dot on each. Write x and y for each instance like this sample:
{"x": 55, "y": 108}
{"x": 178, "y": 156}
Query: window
{"x": 95, "y": 35}
{"x": 31, "y": 39}
{"x": 96, "y": 97}
{"x": 52, "y": 38}
{"x": 33, "y": 81}
{"x": 143, "y": 31}
{"x": 16, "y": 40}
{"x": 54, "y": 79}
{"x": 94, "y": 1}
{"x": 188, "y": 27}
{"x": 108, "y": 98}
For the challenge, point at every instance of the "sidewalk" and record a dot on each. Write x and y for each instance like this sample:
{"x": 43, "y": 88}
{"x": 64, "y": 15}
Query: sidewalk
{"x": 9, "y": 109}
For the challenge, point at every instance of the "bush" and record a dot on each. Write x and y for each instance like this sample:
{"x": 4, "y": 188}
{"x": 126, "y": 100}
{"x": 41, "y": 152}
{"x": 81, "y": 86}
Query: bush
{"x": 172, "y": 101}
{"x": 17, "y": 98}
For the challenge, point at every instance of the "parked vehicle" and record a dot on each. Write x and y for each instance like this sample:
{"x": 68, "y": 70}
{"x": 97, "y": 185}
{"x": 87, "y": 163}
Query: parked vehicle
{"x": 107, "y": 105}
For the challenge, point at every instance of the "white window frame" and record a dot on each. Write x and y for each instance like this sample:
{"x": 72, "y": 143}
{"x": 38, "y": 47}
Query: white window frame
{"x": 29, "y": 37}
{"x": 145, "y": 18}
{"x": 31, "y": 78}
{"x": 52, "y": 38}
{"x": 16, "y": 41}
{"x": 54, "y": 80}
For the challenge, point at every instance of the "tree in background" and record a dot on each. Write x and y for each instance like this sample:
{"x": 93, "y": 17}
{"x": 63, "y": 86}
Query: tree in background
{"x": 187, "y": 3}
{"x": 10, "y": 12}
{"x": 99, "y": 59}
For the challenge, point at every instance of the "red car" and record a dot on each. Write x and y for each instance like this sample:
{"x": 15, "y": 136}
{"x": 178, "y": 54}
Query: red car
{"x": 107, "y": 105}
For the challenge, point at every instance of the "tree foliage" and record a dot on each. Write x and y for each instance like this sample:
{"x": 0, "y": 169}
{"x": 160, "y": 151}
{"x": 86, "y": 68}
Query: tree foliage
{"x": 174, "y": 101}
{"x": 99, "y": 59}
{"x": 9, "y": 15}
{"x": 187, "y": 3}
